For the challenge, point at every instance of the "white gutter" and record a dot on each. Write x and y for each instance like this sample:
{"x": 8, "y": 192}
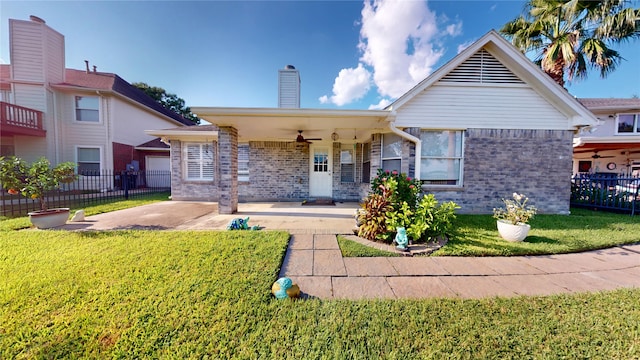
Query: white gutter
{"x": 417, "y": 141}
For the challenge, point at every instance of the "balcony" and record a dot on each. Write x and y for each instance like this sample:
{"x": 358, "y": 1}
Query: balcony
{"x": 19, "y": 120}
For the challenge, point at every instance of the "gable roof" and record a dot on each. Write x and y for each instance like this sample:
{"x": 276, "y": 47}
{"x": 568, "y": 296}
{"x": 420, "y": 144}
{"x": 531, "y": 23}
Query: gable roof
{"x": 503, "y": 63}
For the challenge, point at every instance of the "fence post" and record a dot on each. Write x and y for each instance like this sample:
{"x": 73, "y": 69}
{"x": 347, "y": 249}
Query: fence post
{"x": 125, "y": 184}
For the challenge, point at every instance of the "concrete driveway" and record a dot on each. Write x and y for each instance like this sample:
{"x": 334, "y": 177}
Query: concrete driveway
{"x": 194, "y": 215}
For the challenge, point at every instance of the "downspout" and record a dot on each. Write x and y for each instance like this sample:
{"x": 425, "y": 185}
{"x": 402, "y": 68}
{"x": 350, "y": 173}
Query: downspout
{"x": 392, "y": 126}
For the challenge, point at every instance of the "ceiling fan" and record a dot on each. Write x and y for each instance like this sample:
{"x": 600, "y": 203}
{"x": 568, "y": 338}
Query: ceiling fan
{"x": 596, "y": 156}
{"x": 301, "y": 138}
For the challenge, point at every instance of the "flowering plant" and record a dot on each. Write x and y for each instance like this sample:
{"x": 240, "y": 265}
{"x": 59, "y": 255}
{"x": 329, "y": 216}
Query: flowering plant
{"x": 516, "y": 211}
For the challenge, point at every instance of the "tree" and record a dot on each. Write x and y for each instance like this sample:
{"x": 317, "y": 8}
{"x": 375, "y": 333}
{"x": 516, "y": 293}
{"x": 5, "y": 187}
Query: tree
{"x": 571, "y": 36}
{"x": 168, "y": 101}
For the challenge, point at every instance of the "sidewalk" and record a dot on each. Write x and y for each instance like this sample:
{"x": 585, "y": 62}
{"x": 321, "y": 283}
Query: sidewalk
{"x": 316, "y": 264}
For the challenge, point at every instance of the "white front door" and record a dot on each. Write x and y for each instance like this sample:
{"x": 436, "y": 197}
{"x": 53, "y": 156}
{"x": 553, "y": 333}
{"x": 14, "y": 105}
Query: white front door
{"x": 320, "y": 174}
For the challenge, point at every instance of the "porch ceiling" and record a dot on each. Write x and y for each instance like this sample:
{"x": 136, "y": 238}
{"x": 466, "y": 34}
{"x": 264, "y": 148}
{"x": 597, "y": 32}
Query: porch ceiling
{"x": 276, "y": 124}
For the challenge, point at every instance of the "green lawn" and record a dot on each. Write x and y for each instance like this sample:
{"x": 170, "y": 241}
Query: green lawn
{"x": 204, "y": 294}
{"x": 477, "y": 235}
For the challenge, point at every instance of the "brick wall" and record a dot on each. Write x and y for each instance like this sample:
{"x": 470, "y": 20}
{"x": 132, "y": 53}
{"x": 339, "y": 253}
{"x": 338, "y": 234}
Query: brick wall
{"x": 500, "y": 162}
{"x": 348, "y": 191}
{"x": 278, "y": 171}
{"x": 189, "y": 190}
{"x": 228, "y": 170}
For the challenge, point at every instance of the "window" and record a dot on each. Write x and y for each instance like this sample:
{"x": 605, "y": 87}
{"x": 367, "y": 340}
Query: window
{"x": 88, "y": 161}
{"x": 629, "y": 124}
{"x": 441, "y": 157}
{"x": 321, "y": 160}
{"x": 391, "y": 152}
{"x": 366, "y": 163}
{"x": 199, "y": 161}
{"x": 347, "y": 166}
{"x": 87, "y": 108}
{"x": 243, "y": 162}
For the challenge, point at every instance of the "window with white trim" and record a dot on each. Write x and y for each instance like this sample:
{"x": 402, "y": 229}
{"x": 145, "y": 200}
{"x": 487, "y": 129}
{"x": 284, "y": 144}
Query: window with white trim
{"x": 347, "y": 165}
{"x": 391, "y": 152}
{"x": 87, "y": 108}
{"x": 199, "y": 161}
{"x": 243, "y": 162}
{"x": 366, "y": 162}
{"x": 441, "y": 157}
{"x": 88, "y": 160}
{"x": 628, "y": 124}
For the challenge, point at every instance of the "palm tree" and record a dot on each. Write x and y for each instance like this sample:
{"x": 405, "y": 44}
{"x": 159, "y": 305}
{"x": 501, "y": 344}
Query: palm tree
{"x": 570, "y": 36}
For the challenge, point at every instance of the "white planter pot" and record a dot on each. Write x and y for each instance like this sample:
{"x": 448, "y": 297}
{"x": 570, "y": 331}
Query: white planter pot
{"x": 49, "y": 218}
{"x": 511, "y": 232}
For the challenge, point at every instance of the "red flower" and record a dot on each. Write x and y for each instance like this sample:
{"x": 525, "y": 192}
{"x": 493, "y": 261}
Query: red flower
{"x": 12, "y": 191}
{"x": 411, "y": 186}
{"x": 395, "y": 172}
{"x": 408, "y": 179}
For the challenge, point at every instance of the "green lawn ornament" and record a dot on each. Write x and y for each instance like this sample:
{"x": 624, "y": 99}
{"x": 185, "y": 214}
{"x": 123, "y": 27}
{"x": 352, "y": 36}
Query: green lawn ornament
{"x": 401, "y": 238}
{"x": 284, "y": 288}
{"x": 241, "y": 224}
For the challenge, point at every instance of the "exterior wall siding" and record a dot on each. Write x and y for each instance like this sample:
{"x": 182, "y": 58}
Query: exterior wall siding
{"x": 189, "y": 190}
{"x": 348, "y": 191}
{"x": 27, "y": 60}
{"x": 488, "y": 107}
{"x": 278, "y": 171}
{"x": 130, "y": 122}
{"x": 498, "y": 163}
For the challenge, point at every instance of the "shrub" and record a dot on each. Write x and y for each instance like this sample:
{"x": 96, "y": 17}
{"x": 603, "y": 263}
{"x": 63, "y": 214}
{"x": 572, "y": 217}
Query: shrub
{"x": 394, "y": 202}
{"x": 372, "y": 215}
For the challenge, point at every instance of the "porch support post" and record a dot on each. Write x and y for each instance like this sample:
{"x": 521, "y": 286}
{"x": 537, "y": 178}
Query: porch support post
{"x": 228, "y": 170}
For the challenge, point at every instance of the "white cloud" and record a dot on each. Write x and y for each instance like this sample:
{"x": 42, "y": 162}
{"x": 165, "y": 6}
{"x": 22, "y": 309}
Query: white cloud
{"x": 381, "y": 105}
{"x": 351, "y": 84}
{"x": 465, "y": 45}
{"x": 401, "y": 42}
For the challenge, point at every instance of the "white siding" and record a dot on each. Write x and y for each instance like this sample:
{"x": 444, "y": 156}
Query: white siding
{"x": 75, "y": 133}
{"x": 288, "y": 88}
{"x": 129, "y": 123}
{"x": 491, "y": 106}
{"x": 37, "y": 52}
{"x": 54, "y": 56}
{"x": 30, "y": 148}
{"x": 31, "y": 96}
{"x": 26, "y": 51}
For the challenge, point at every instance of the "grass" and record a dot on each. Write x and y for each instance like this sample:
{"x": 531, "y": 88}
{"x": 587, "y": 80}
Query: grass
{"x": 351, "y": 248}
{"x": 113, "y": 205}
{"x": 205, "y": 294}
{"x": 476, "y": 235}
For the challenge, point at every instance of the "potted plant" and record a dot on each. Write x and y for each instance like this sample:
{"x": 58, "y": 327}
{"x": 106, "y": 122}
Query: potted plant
{"x": 34, "y": 181}
{"x": 512, "y": 220}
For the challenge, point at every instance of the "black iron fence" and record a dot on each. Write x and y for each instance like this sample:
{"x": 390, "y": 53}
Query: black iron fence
{"x": 606, "y": 191}
{"x": 92, "y": 187}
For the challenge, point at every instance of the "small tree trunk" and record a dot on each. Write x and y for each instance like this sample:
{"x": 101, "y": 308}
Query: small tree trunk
{"x": 557, "y": 71}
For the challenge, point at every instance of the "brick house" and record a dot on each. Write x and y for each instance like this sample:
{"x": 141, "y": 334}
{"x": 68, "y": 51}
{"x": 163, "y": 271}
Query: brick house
{"x": 94, "y": 119}
{"x": 486, "y": 124}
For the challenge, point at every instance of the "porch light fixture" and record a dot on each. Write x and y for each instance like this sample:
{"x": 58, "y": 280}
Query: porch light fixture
{"x": 334, "y": 136}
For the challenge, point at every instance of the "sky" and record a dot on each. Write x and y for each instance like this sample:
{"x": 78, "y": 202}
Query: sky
{"x": 350, "y": 54}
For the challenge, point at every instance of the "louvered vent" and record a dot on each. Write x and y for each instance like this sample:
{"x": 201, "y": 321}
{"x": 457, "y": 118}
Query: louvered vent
{"x": 482, "y": 68}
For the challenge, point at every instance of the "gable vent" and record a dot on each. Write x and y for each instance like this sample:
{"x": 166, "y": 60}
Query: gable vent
{"x": 482, "y": 68}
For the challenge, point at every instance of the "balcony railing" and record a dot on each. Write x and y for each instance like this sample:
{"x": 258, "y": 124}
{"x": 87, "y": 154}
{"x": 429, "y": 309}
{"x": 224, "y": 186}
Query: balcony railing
{"x": 20, "y": 120}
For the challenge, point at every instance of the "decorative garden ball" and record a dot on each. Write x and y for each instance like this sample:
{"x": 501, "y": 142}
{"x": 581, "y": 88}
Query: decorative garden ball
{"x": 285, "y": 288}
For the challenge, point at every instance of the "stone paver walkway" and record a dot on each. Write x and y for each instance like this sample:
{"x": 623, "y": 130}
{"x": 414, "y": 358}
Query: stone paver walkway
{"x": 315, "y": 263}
